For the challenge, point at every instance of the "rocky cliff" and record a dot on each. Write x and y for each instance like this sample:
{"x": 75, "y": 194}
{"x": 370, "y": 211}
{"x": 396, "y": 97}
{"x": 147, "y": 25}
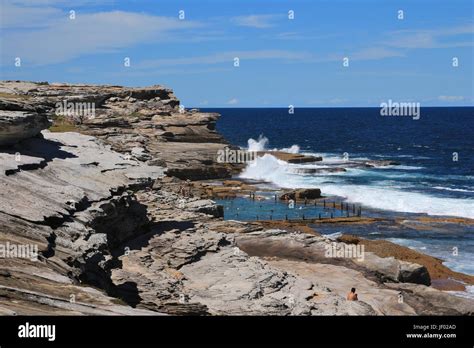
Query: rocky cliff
{"x": 104, "y": 205}
{"x": 146, "y": 123}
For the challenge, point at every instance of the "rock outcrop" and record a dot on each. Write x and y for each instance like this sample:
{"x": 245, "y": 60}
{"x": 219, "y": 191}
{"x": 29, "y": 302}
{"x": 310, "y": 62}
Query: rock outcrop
{"x": 70, "y": 200}
{"x": 429, "y": 269}
{"x": 301, "y": 194}
{"x": 118, "y": 232}
{"x": 294, "y": 158}
{"x": 18, "y": 125}
{"x": 382, "y": 283}
{"x": 147, "y": 123}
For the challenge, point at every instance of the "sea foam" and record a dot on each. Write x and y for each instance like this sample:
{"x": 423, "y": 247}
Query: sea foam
{"x": 278, "y": 172}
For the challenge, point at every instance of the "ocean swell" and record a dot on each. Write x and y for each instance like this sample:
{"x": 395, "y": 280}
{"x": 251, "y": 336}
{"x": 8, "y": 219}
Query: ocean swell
{"x": 373, "y": 195}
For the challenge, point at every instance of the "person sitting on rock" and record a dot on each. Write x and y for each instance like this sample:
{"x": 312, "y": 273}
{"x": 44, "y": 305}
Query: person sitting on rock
{"x": 352, "y": 296}
{"x": 189, "y": 187}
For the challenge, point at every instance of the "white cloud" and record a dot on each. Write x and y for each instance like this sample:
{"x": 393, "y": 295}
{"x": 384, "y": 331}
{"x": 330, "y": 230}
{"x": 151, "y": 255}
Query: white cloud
{"x": 255, "y": 21}
{"x": 431, "y": 38}
{"x": 90, "y": 33}
{"x": 227, "y": 57}
{"x": 13, "y": 16}
{"x": 233, "y": 101}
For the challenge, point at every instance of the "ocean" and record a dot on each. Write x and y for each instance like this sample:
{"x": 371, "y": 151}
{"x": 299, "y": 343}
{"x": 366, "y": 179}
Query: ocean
{"x": 434, "y": 176}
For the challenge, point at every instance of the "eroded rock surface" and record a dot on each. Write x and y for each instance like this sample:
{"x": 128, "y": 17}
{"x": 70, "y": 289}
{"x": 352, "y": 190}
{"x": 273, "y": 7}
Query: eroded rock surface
{"x": 18, "y": 125}
{"x": 116, "y": 236}
{"x": 145, "y": 123}
{"x": 72, "y": 198}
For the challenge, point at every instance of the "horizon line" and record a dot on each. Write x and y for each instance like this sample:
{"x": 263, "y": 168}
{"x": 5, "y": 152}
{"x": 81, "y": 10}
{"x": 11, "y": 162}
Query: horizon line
{"x": 318, "y": 107}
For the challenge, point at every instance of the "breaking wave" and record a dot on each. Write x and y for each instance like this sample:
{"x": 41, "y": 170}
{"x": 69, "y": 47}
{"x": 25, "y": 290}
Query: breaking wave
{"x": 374, "y": 194}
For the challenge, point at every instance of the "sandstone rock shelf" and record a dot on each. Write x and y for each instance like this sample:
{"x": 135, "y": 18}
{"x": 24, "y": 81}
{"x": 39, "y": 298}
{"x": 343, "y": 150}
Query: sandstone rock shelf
{"x": 120, "y": 230}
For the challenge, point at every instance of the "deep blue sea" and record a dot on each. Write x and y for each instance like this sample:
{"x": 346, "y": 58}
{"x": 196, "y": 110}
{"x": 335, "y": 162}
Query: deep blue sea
{"x": 435, "y": 152}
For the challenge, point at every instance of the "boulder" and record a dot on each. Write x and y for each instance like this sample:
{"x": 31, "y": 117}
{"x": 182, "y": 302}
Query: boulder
{"x": 308, "y": 193}
{"x": 390, "y": 268}
{"x": 413, "y": 273}
{"x": 302, "y": 194}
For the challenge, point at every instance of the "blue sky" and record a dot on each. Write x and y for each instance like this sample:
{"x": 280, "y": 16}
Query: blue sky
{"x": 282, "y": 61}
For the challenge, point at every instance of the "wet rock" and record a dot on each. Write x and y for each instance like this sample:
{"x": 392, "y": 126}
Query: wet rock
{"x": 318, "y": 170}
{"x": 301, "y": 194}
{"x": 291, "y": 157}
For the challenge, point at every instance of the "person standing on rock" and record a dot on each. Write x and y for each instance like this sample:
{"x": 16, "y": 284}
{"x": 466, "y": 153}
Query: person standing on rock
{"x": 352, "y": 296}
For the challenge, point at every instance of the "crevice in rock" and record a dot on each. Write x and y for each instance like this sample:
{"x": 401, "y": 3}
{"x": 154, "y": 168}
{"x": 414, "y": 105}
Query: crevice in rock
{"x": 124, "y": 220}
{"x": 56, "y": 221}
{"x": 26, "y": 220}
{"x": 127, "y": 292}
{"x": 50, "y": 251}
{"x": 195, "y": 258}
{"x": 26, "y": 167}
{"x": 91, "y": 164}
